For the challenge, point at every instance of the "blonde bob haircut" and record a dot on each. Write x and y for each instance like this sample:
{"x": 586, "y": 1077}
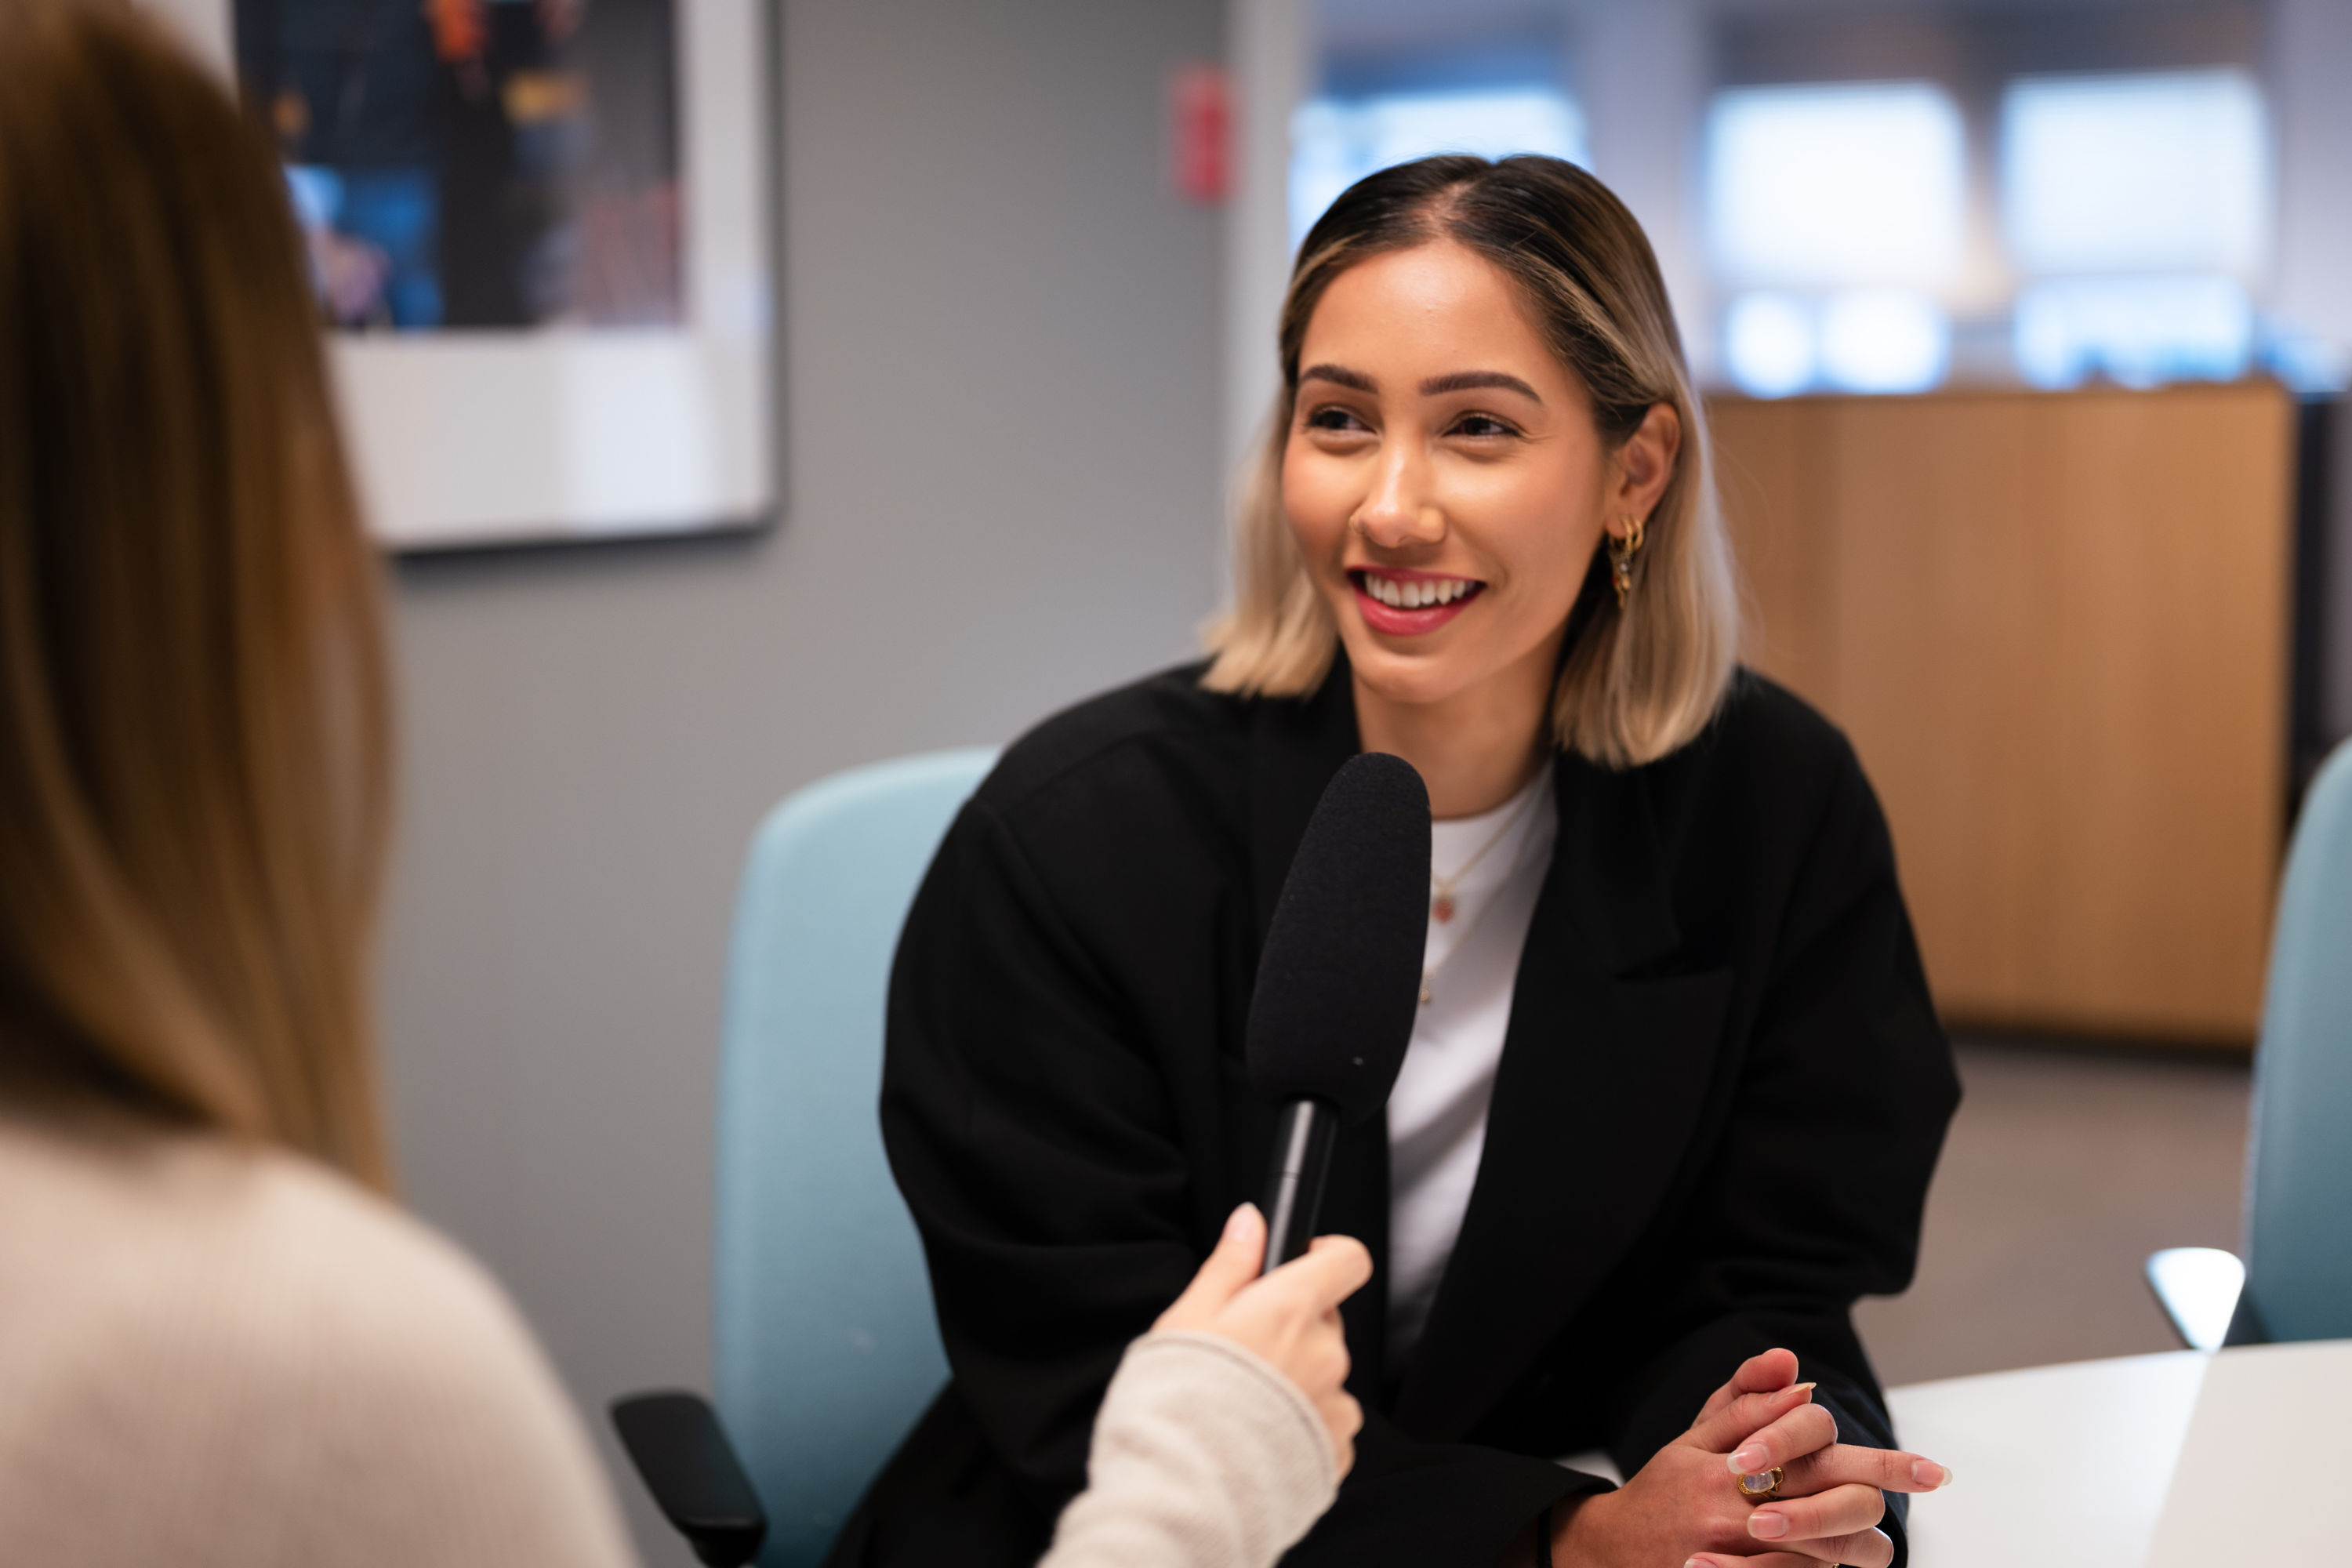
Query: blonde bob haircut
{"x": 1634, "y": 684}
{"x": 194, "y": 734}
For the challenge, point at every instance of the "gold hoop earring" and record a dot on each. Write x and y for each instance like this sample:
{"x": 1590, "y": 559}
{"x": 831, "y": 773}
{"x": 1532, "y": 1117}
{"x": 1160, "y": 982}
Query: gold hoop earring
{"x": 1621, "y": 551}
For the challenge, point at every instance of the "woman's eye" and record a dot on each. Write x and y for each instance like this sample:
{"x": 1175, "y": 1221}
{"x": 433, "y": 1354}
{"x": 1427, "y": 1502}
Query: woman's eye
{"x": 1481, "y": 424}
{"x": 1329, "y": 418}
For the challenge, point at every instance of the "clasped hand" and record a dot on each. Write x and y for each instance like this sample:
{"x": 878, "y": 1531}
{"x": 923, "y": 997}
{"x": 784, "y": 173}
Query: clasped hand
{"x": 1685, "y": 1507}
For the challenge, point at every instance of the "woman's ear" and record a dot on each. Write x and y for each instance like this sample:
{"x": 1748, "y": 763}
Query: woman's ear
{"x": 1645, "y": 463}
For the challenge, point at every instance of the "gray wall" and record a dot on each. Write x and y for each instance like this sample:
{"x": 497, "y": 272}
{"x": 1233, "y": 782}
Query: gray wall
{"x": 1001, "y": 493}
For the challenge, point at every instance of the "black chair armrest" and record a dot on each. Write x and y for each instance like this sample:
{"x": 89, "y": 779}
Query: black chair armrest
{"x": 681, "y": 1451}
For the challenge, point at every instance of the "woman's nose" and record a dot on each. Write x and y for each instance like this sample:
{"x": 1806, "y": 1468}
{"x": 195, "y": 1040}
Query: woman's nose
{"x": 1398, "y": 510}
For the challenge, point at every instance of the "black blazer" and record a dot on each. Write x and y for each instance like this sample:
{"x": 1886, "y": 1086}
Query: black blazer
{"x": 1721, "y": 1093}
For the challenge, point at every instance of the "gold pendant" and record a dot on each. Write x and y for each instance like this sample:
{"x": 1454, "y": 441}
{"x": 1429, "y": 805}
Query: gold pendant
{"x": 1440, "y": 908}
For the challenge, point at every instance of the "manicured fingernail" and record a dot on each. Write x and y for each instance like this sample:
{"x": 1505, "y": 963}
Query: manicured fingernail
{"x": 1236, "y": 1220}
{"x": 1766, "y": 1525}
{"x": 1803, "y": 1387}
{"x": 1749, "y": 1460}
{"x": 1928, "y": 1473}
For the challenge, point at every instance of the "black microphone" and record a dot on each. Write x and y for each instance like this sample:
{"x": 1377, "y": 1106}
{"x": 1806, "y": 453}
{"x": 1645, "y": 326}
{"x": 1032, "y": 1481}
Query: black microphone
{"x": 1339, "y": 981}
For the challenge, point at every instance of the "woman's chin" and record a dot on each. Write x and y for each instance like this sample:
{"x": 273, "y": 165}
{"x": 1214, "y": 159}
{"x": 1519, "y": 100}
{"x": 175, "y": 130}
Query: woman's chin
{"x": 1410, "y": 677}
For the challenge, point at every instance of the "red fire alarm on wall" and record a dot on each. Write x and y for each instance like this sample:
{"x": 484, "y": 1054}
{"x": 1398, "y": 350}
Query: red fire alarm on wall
{"x": 1199, "y": 101}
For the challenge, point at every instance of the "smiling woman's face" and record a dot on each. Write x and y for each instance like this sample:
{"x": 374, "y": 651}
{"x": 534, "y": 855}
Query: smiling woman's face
{"x": 1443, "y": 475}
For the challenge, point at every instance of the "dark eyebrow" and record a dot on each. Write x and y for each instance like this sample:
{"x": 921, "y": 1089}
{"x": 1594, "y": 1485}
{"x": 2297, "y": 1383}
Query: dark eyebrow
{"x": 1355, "y": 379}
{"x": 1471, "y": 380}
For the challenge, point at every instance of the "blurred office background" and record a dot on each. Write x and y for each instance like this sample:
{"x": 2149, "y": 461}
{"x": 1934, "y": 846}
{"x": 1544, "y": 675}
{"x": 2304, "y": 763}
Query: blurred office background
{"x": 2026, "y": 321}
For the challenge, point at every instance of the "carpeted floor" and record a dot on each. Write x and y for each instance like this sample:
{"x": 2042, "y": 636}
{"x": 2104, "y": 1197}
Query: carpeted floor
{"x": 2065, "y": 1168}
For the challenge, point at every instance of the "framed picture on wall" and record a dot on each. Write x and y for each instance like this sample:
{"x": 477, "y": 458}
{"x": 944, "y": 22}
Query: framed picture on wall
{"x": 540, "y": 234}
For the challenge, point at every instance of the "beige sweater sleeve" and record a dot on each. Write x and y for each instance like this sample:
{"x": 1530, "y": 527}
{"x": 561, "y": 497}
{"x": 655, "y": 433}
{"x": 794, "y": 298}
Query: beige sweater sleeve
{"x": 1204, "y": 1457}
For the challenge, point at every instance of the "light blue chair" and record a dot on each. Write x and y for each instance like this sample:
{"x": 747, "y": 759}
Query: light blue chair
{"x": 2297, "y": 1275}
{"x": 825, "y": 1348}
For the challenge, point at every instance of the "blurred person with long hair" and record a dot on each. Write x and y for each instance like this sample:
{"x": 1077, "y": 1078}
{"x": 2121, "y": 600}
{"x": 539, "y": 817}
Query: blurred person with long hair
{"x": 221, "y": 1343}
{"x": 1677, "y": 1084}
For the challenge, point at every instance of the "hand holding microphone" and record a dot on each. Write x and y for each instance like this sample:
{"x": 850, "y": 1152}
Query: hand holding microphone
{"x": 1289, "y": 1317}
{"x": 1329, "y": 1021}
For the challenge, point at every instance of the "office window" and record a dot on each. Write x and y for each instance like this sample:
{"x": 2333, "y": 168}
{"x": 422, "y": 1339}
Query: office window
{"x": 1884, "y": 339}
{"x": 1337, "y": 141}
{"x": 1772, "y": 343}
{"x": 2137, "y": 331}
{"x": 1814, "y": 185}
{"x": 2135, "y": 174}
{"x": 1844, "y": 207}
{"x": 2139, "y": 208}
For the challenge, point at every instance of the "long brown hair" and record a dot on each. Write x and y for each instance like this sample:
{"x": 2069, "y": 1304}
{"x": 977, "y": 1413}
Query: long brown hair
{"x": 193, "y": 746}
{"x": 1636, "y": 683}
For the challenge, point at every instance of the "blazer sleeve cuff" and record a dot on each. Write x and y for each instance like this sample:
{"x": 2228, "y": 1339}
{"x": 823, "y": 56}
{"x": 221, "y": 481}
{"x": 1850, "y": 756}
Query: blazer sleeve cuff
{"x": 1450, "y": 1503}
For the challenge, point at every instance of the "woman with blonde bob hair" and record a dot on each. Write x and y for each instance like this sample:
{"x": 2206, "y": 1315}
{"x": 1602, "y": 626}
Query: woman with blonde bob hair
{"x": 1675, "y": 1086}
{"x": 1644, "y": 675}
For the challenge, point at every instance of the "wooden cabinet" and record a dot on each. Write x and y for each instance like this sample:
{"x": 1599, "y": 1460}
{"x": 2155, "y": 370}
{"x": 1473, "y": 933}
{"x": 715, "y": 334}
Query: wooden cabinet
{"x": 2056, "y": 627}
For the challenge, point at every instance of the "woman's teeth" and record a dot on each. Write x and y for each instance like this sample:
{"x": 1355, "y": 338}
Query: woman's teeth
{"x": 1417, "y": 593}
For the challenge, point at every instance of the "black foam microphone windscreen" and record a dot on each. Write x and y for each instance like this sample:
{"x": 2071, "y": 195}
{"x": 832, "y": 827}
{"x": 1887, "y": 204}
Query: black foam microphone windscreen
{"x": 1340, "y": 980}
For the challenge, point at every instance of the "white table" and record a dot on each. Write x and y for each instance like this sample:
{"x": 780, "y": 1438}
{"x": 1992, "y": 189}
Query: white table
{"x": 2184, "y": 1460}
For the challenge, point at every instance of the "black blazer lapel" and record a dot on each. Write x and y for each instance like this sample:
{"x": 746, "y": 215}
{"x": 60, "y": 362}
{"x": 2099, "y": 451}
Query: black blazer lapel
{"x": 1569, "y": 1178}
{"x": 1294, "y": 749}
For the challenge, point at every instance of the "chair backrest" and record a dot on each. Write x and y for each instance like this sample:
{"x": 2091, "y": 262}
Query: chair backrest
{"x": 2299, "y": 1166}
{"x": 825, "y": 1348}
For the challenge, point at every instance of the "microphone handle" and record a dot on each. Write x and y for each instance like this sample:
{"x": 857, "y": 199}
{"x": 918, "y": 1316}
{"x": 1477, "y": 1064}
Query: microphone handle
{"x": 1303, "y": 1136}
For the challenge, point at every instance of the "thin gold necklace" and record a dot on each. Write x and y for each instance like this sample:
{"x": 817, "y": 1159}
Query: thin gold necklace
{"x": 1441, "y": 889}
{"x": 1429, "y": 974}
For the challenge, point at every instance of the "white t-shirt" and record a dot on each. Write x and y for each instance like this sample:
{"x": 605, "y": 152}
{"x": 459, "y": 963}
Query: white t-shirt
{"x": 1437, "y": 1112}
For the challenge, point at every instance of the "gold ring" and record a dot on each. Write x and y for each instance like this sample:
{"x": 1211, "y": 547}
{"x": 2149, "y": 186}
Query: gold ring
{"x": 1764, "y": 1493}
